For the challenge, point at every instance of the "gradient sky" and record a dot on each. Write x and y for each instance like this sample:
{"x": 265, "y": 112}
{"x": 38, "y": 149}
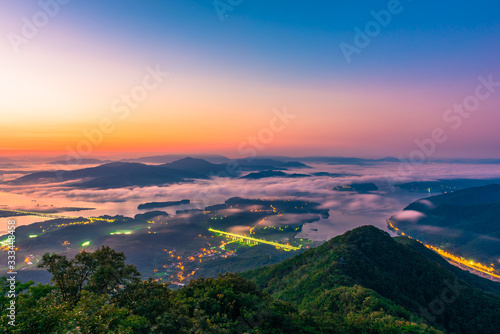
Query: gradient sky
{"x": 227, "y": 76}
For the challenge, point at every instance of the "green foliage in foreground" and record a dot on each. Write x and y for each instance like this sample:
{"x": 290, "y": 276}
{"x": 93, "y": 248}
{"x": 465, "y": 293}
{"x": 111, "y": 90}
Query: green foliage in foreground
{"x": 315, "y": 292}
{"x": 227, "y": 304}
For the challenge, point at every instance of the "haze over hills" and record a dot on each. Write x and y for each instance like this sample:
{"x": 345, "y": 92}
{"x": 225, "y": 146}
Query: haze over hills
{"x": 80, "y": 161}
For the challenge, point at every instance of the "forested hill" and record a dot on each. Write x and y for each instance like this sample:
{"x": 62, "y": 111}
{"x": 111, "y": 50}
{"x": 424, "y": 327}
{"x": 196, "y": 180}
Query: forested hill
{"x": 464, "y": 223}
{"x": 351, "y": 273}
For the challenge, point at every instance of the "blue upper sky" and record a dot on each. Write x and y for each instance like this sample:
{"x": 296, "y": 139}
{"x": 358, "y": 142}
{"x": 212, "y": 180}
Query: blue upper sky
{"x": 296, "y": 39}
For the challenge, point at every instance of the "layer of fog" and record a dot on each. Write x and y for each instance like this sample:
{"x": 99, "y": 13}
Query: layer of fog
{"x": 347, "y": 209}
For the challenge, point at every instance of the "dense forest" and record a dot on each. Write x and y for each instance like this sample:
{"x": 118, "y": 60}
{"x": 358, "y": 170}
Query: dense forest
{"x": 361, "y": 282}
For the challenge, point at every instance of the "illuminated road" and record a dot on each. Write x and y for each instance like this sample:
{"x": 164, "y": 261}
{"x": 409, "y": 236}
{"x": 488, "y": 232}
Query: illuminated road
{"x": 254, "y": 240}
{"x": 490, "y": 271}
{"x": 471, "y": 264}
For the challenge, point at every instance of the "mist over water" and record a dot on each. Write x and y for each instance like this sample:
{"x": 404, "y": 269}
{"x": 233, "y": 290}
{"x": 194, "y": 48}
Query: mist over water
{"x": 347, "y": 209}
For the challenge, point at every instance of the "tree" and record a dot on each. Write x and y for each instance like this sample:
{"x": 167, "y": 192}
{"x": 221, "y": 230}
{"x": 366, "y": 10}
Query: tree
{"x": 7, "y": 291}
{"x": 102, "y": 272}
{"x": 148, "y": 299}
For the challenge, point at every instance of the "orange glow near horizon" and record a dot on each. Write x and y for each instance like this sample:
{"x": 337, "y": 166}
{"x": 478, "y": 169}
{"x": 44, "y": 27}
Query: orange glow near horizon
{"x": 196, "y": 112}
{"x": 167, "y": 121}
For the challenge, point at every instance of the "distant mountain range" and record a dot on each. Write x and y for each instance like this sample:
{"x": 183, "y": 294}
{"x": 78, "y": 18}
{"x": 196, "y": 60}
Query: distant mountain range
{"x": 287, "y": 161}
{"x": 133, "y": 174}
{"x": 264, "y": 161}
{"x": 167, "y": 158}
{"x": 264, "y": 164}
{"x": 366, "y": 161}
{"x": 257, "y": 163}
{"x": 136, "y": 174}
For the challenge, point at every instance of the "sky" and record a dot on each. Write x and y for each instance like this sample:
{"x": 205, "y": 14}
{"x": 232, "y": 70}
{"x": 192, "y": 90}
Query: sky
{"x": 233, "y": 77}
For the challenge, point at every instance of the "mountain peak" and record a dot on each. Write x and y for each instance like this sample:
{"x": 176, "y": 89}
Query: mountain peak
{"x": 369, "y": 258}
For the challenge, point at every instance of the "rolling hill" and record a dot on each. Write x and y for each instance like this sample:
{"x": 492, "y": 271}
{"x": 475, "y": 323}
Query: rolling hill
{"x": 463, "y": 222}
{"x": 196, "y": 166}
{"x": 112, "y": 175}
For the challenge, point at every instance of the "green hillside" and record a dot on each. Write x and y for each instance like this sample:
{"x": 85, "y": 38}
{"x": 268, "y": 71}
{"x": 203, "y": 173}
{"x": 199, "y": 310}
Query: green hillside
{"x": 369, "y": 262}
